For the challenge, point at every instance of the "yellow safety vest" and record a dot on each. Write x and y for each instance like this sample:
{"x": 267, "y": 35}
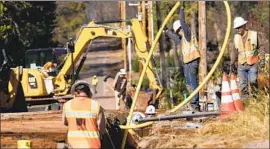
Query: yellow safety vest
{"x": 248, "y": 53}
{"x": 190, "y": 50}
{"x": 82, "y": 124}
{"x": 94, "y": 81}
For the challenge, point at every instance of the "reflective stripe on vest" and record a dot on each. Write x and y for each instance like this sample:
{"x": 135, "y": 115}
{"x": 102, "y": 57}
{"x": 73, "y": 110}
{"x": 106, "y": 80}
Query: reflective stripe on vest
{"x": 84, "y": 134}
{"x": 248, "y": 53}
{"x": 81, "y": 114}
{"x": 190, "y": 50}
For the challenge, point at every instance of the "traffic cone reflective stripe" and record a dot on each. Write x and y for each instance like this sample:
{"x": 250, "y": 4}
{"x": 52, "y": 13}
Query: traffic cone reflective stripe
{"x": 236, "y": 94}
{"x": 227, "y": 106}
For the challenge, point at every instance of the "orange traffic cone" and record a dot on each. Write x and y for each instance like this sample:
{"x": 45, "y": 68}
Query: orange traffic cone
{"x": 227, "y": 106}
{"x": 236, "y": 94}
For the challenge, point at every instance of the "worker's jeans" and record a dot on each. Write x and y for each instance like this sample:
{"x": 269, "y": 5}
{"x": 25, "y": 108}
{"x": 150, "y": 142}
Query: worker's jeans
{"x": 248, "y": 73}
{"x": 191, "y": 75}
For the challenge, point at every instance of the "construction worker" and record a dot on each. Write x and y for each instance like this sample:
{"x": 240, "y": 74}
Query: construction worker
{"x": 249, "y": 53}
{"x": 95, "y": 83}
{"x": 84, "y": 118}
{"x": 120, "y": 84}
{"x": 190, "y": 54}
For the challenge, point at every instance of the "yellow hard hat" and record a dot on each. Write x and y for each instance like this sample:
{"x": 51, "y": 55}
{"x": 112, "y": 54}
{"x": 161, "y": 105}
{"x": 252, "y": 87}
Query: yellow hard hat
{"x": 95, "y": 76}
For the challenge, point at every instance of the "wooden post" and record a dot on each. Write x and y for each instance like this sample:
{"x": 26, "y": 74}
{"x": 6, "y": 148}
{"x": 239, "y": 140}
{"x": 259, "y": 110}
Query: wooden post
{"x": 150, "y": 23}
{"x": 143, "y": 17}
{"x": 123, "y": 26}
{"x": 202, "y": 43}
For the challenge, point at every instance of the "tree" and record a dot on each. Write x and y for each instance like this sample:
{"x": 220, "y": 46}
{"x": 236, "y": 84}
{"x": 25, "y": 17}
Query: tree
{"x": 70, "y": 17}
{"x": 25, "y": 25}
{"x": 161, "y": 48}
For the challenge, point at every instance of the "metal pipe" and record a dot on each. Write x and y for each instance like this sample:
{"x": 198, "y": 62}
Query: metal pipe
{"x": 171, "y": 117}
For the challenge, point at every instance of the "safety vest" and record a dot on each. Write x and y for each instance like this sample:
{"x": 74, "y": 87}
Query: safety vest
{"x": 82, "y": 123}
{"x": 94, "y": 81}
{"x": 248, "y": 52}
{"x": 190, "y": 49}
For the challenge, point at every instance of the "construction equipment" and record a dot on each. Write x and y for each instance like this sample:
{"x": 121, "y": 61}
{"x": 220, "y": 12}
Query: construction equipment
{"x": 39, "y": 85}
{"x": 11, "y": 91}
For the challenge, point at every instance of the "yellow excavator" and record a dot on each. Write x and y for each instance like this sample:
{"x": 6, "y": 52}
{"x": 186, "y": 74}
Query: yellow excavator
{"x": 39, "y": 84}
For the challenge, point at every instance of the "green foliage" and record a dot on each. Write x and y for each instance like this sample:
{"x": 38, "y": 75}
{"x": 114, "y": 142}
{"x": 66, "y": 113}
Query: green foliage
{"x": 70, "y": 17}
{"x": 135, "y": 65}
{"x": 25, "y": 25}
{"x": 145, "y": 83}
{"x": 170, "y": 61}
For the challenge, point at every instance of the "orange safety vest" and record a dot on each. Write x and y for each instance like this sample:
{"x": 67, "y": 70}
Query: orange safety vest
{"x": 190, "y": 50}
{"x": 82, "y": 123}
{"x": 248, "y": 53}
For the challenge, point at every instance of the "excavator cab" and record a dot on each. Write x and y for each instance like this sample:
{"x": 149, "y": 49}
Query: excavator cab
{"x": 48, "y": 59}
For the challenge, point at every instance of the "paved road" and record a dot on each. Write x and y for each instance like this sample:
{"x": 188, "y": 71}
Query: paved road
{"x": 101, "y": 63}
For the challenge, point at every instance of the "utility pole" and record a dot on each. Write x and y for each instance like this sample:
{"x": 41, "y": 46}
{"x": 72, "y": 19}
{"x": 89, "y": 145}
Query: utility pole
{"x": 122, "y": 7}
{"x": 202, "y": 43}
{"x": 150, "y": 23}
{"x": 143, "y": 17}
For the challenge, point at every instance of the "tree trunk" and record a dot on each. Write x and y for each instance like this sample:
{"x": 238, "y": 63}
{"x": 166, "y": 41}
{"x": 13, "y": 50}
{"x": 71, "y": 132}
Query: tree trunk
{"x": 161, "y": 48}
{"x": 123, "y": 25}
{"x": 202, "y": 42}
{"x": 193, "y": 23}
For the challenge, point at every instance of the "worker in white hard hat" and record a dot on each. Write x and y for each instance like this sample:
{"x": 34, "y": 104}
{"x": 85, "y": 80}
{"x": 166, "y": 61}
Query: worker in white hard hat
{"x": 84, "y": 117}
{"x": 120, "y": 84}
{"x": 246, "y": 56}
{"x": 190, "y": 54}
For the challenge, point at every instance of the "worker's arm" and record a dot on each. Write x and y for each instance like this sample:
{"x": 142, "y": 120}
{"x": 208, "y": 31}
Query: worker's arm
{"x": 261, "y": 51}
{"x": 115, "y": 80}
{"x": 186, "y": 29}
{"x": 101, "y": 121}
{"x": 173, "y": 36}
{"x": 64, "y": 119}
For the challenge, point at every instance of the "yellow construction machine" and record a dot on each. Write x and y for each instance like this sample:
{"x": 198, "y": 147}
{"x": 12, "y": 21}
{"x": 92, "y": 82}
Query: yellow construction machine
{"x": 40, "y": 84}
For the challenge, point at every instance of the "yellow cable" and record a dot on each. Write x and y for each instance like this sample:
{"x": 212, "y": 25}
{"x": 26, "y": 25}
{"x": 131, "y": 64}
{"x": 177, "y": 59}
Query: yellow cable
{"x": 207, "y": 77}
{"x": 144, "y": 70}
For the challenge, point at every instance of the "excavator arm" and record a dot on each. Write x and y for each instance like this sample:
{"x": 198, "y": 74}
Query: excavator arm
{"x": 93, "y": 31}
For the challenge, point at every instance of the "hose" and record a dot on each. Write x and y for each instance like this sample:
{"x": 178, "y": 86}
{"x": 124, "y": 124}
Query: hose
{"x": 228, "y": 30}
{"x": 144, "y": 70}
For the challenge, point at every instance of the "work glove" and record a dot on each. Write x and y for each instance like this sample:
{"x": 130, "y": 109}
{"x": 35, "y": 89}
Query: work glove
{"x": 233, "y": 68}
{"x": 226, "y": 69}
{"x": 262, "y": 63}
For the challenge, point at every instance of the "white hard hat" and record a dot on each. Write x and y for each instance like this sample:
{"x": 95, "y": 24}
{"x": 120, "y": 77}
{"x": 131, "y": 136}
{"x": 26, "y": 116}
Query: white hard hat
{"x": 122, "y": 71}
{"x": 137, "y": 116}
{"x": 238, "y": 21}
{"x": 150, "y": 110}
{"x": 78, "y": 83}
{"x": 176, "y": 25}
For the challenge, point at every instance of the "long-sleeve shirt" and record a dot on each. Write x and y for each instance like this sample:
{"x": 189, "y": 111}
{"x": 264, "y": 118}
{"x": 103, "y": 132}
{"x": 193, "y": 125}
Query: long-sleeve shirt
{"x": 185, "y": 27}
{"x": 234, "y": 52}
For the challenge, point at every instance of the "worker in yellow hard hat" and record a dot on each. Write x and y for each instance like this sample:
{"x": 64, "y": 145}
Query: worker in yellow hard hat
{"x": 95, "y": 83}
